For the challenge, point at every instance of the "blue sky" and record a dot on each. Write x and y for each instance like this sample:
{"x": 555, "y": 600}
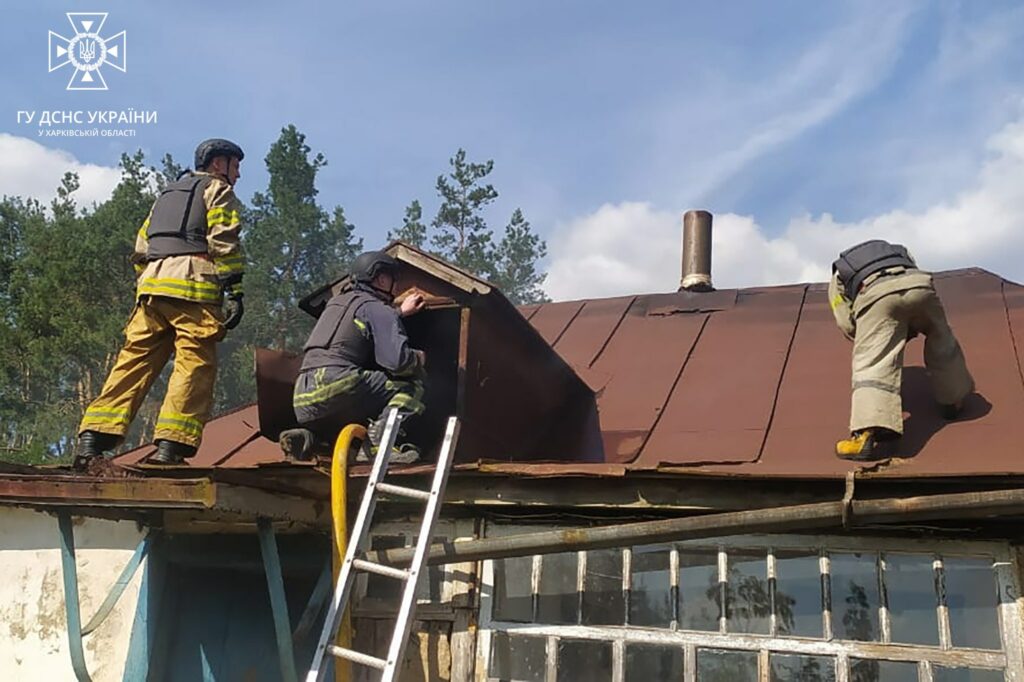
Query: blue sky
{"x": 804, "y": 122}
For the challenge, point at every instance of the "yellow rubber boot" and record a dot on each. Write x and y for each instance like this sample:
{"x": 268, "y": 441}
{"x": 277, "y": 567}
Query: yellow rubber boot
{"x": 862, "y": 446}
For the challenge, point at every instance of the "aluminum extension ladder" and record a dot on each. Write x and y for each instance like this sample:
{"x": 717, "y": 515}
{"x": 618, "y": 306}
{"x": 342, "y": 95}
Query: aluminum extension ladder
{"x": 356, "y": 549}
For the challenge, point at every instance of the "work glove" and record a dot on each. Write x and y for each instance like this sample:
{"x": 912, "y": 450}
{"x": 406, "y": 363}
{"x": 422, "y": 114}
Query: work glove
{"x": 233, "y": 310}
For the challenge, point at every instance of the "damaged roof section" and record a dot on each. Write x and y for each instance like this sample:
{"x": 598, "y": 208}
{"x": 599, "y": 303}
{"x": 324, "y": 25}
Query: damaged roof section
{"x": 748, "y": 382}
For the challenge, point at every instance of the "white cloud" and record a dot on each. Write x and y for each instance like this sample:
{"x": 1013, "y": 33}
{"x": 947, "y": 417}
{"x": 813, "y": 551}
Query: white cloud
{"x": 741, "y": 120}
{"x": 28, "y": 169}
{"x": 634, "y": 247}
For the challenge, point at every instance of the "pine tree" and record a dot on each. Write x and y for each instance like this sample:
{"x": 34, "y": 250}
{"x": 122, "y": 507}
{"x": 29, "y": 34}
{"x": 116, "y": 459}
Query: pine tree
{"x": 515, "y": 262}
{"x": 463, "y": 237}
{"x": 412, "y": 231}
{"x": 292, "y": 246}
{"x": 461, "y": 233}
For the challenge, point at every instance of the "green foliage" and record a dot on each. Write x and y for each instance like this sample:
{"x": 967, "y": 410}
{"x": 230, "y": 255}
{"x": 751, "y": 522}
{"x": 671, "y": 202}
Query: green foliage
{"x": 68, "y": 293}
{"x": 461, "y": 234}
{"x": 67, "y": 284}
{"x": 292, "y": 246}
{"x": 515, "y": 262}
{"x": 412, "y": 231}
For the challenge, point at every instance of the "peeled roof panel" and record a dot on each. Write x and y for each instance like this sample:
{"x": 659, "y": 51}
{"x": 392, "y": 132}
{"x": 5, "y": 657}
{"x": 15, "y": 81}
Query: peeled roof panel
{"x": 643, "y": 359}
{"x": 591, "y": 329}
{"x": 722, "y": 404}
{"x": 551, "y": 319}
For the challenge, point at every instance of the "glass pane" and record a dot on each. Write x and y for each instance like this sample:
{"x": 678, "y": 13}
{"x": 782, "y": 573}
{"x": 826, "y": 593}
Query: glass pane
{"x": 798, "y": 593}
{"x": 854, "y": 596}
{"x": 747, "y": 603}
{"x": 882, "y": 671}
{"x": 558, "y": 599}
{"x": 603, "y": 601}
{"x": 971, "y": 596}
{"x": 714, "y": 665}
{"x": 911, "y": 597}
{"x": 792, "y": 668}
{"x": 965, "y": 675}
{"x": 699, "y": 593}
{"x": 649, "y": 662}
{"x": 518, "y": 658}
{"x": 589, "y": 660}
{"x": 512, "y": 598}
{"x": 650, "y": 596}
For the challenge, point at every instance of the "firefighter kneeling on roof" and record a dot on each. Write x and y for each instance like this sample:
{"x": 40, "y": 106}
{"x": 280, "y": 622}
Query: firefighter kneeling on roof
{"x": 880, "y": 301}
{"x": 187, "y": 258}
{"x": 357, "y": 363}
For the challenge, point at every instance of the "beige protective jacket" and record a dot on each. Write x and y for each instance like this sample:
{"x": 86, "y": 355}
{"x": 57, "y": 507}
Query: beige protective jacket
{"x": 197, "y": 277}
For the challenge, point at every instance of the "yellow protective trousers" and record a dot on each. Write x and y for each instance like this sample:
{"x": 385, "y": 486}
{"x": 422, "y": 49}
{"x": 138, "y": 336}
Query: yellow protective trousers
{"x": 158, "y": 327}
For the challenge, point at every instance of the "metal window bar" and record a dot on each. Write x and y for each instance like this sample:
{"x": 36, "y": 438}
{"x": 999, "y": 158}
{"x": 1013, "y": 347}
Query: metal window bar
{"x": 723, "y": 590}
{"x": 771, "y": 570}
{"x": 551, "y": 650}
{"x": 618, "y": 661}
{"x": 842, "y": 667}
{"x": 825, "y": 571}
{"x": 627, "y": 581}
{"x": 942, "y": 607}
{"x": 581, "y": 579}
{"x": 690, "y": 663}
{"x": 884, "y": 620}
{"x": 535, "y": 570}
{"x": 673, "y": 587}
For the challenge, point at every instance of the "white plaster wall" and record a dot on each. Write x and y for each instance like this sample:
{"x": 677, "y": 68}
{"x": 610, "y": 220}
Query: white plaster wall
{"x": 33, "y": 621}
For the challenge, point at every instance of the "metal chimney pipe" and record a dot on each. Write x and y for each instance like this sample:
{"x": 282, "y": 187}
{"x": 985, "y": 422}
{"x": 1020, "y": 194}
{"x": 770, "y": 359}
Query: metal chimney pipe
{"x": 696, "y": 252}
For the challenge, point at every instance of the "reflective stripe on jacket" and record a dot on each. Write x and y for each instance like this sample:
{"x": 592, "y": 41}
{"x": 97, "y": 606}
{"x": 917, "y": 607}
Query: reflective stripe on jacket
{"x": 198, "y": 277}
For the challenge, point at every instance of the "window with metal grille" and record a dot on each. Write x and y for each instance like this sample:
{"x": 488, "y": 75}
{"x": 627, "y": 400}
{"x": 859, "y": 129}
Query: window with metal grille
{"x": 786, "y": 609}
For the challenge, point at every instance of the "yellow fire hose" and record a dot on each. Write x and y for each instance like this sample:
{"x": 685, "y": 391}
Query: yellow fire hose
{"x": 339, "y": 483}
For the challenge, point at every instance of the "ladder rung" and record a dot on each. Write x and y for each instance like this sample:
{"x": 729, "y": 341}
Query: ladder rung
{"x": 357, "y": 657}
{"x": 392, "y": 489}
{"x": 380, "y": 569}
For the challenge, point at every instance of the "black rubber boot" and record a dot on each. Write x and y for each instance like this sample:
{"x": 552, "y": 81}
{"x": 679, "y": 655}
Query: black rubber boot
{"x": 93, "y": 444}
{"x": 401, "y": 453}
{"x": 297, "y": 444}
{"x": 169, "y": 452}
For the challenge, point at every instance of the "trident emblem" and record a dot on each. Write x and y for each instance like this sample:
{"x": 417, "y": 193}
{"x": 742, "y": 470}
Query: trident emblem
{"x": 87, "y": 51}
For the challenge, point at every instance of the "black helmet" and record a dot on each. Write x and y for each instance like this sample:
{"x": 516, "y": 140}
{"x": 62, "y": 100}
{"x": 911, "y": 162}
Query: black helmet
{"x": 212, "y": 148}
{"x": 368, "y": 265}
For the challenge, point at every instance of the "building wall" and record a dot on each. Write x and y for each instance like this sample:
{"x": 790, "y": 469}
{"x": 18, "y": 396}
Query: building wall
{"x": 33, "y": 621}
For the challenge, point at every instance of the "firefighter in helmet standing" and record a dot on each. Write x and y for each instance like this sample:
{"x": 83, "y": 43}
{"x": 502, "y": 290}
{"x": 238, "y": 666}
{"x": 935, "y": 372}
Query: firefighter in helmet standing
{"x": 357, "y": 362}
{"x": 881, "y": 300}
{"x": 188, "y": 260}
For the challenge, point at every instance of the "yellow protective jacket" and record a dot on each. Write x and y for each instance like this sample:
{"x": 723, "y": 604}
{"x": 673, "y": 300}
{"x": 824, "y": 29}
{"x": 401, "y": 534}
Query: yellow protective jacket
{"x": 196, "y": 277}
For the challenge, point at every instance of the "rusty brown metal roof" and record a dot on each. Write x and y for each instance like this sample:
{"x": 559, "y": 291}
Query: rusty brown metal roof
{"x": 750, "y": 382}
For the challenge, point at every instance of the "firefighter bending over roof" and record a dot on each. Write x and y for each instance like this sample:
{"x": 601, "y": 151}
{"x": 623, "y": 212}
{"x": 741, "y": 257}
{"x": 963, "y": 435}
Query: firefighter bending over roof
{"x": 357, "y": 363}
{"x": 880, "y": 301}
{"x": 187, "y": 258}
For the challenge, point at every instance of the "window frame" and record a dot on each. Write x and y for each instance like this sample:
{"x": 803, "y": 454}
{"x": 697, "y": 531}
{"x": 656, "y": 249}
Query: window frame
{"x": 1006, "y": 573}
